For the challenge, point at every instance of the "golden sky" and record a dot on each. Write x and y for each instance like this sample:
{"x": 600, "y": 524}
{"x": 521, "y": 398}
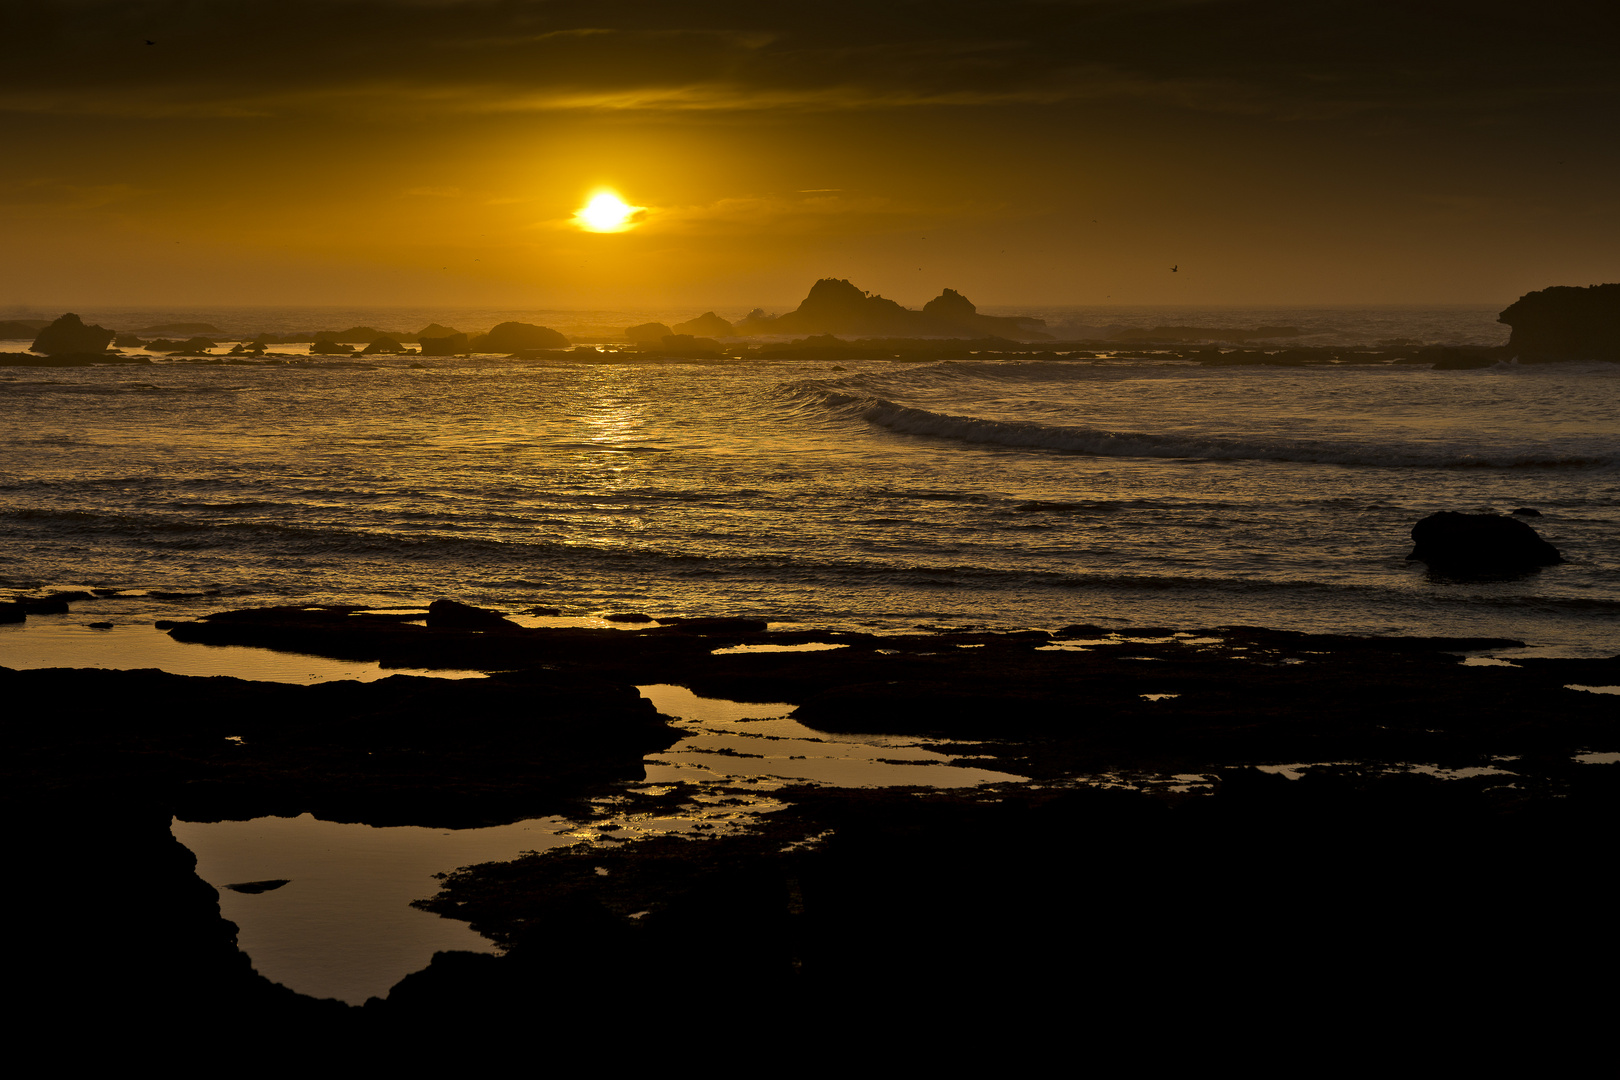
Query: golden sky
{"x": 1024, "y": 151}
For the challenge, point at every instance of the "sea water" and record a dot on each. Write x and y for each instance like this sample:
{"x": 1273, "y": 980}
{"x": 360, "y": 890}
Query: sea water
{"x": 1121, "y": 487}
{"x": 857, "y": 494}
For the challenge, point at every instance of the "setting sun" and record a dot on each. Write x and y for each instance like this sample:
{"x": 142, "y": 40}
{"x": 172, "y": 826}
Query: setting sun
{"x": 606, "y": 212}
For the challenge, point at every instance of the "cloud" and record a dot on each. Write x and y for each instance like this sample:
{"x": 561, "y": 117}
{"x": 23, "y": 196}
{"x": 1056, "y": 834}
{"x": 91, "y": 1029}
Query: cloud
{"x": 47, "y": 193}
{"x": 378, "y": 58}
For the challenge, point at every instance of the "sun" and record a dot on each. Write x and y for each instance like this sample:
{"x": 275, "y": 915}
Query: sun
{"x": 607, "y": 213}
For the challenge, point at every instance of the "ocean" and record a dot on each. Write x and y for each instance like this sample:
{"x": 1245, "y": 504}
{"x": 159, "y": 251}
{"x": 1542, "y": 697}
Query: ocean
{"x": 1118, "y": 486}
{"x": 1121, "y": 487}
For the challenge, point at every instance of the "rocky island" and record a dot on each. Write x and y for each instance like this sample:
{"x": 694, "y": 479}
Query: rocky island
{"x": 1565, "y": 323}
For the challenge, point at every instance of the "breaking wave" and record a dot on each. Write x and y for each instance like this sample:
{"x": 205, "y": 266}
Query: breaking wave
{"x": 908, "y": 420}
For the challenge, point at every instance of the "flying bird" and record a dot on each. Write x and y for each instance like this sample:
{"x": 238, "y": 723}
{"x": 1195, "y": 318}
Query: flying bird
{"x": 1176, "y": 267}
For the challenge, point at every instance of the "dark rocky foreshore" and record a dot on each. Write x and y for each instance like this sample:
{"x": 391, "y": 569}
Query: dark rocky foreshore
{"x": 1361, "y": 901}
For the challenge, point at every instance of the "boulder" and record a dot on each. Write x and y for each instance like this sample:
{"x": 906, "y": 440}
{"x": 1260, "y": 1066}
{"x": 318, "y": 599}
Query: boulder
{"x": 1480, "y": 545}
{"x": 450, "y": 614}
{"x": 69, "y": 334}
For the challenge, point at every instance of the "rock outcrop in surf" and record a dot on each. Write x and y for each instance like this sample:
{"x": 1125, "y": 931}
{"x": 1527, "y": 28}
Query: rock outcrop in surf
{"x": 1480, "y": 545}
{"x": 1565, "y": 322}
{"x": 69, "y": 335}
{"x": 835, "y": 306}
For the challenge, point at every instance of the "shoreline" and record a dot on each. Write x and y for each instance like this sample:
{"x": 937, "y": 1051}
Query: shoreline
{"x": 790, "y": 906}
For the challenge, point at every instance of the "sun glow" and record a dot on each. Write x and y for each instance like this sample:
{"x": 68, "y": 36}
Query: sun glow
{"x": 606, "y": 213}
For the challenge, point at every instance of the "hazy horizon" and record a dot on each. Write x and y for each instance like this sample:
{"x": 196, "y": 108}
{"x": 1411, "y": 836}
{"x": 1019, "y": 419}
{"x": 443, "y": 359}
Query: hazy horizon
{"x": 400, "y": 152}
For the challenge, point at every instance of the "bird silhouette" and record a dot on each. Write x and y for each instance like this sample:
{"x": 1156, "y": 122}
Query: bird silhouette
{"x": 1176, "y": 267}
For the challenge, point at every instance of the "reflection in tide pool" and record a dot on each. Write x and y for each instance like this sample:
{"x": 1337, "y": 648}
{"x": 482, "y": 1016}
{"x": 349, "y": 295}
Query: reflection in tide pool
{"x": 343, "y": 926}
{"x": 47, "y": 641}
{"x": 741, "y": 741}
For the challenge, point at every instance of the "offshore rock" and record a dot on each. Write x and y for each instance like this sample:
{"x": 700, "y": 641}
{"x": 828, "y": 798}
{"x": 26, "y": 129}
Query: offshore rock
{"x": 953, "y": 310}
{"x": 1566, "y": 323}
{"x": 510, "y": 337}
{"x": 650, "y": 333}
{"x": 384, "y": 343}
{"x": 449, "y": 345}
{"x": 1480, "y": 545}
{"x": 707, "y": 324}
{"x": 834, "y": 306}
{"x": 69, "y": 334}
{"x": 21, "y": 329}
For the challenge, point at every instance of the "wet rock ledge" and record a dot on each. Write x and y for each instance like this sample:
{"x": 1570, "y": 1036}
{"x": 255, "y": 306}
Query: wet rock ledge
{"x": 1044, "y": 913}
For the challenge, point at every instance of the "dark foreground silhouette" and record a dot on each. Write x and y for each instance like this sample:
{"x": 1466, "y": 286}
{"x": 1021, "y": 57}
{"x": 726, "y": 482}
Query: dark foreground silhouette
{"x": 1359, "y": 909}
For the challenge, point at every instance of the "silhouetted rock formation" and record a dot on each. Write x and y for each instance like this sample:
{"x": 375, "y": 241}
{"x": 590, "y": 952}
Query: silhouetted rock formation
{"x": 951, "y": 310}
{"x": 383, "y": 343}
{"x": 686, "y": 346}
{"x": 21, "y": 329}
{"x": 649, "y": 333}
{"x": 448, "y": 345}
{"x": 430, "y": 330}
{"x": 834, "y": 306}
{"x": 69, "y": 334}
{"x": 1565, "y": 323}
{"x": 509, "y": 337}
{"x": 707, "y": 324}
{"x": 190, "y": 345}
{"x": 454, "y": 615}
{"x": 1480, "y": 545}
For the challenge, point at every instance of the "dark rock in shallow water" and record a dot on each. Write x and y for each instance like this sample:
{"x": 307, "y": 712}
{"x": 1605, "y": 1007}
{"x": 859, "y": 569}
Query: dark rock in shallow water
{"x": 1566, "y": 323}
{"x": 452, "y": 615}
{"x": 69, "y": 334}
{"x": 1480, "y": 544}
